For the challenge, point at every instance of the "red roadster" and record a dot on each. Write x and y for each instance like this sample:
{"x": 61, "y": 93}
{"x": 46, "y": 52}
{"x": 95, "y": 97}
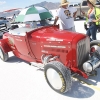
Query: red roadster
{"x": 62, "y": 52}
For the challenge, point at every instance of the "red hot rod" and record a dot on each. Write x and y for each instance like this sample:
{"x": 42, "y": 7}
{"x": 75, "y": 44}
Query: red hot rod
{"x": 63, "y": 53}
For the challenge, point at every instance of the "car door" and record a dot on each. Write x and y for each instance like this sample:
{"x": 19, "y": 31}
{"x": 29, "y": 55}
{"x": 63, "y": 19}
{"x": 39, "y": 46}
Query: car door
{"x": 21, "y": 45}
{"x": 35, "y": 44}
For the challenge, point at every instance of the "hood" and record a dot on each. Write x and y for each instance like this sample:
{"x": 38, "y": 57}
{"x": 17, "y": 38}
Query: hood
{"x": 54, "y": 34}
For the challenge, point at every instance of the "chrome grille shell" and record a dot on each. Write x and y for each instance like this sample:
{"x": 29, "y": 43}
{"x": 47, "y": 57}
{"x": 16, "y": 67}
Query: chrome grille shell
{"x": 83, "y": 50}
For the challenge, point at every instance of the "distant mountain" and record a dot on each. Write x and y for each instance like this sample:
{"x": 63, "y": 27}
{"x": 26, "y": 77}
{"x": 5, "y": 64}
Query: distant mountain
{"x": 48, "y": 5}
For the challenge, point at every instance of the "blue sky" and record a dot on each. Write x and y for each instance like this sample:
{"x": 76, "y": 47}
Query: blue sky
{"x": 9, "y": 4}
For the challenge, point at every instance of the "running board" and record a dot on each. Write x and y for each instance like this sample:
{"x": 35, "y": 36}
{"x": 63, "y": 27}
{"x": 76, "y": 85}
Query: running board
{"x": 38, "y": 65}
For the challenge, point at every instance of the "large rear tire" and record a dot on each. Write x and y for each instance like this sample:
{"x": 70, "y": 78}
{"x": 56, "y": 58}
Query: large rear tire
{"x": 3, "y": 55}
{"x": 58, "y": 76}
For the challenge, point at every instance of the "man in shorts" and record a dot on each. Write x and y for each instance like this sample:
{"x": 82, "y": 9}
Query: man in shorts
{"x": 66, "y": 15}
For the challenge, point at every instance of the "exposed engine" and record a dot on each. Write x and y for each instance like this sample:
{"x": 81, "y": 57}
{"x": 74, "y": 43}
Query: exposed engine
{"x": 46, "y": 58}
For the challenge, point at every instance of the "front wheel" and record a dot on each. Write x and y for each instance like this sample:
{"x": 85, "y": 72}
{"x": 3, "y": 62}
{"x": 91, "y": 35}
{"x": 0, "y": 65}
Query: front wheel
{"x": 58, "y": 76}
{"x": 3, "y": 55}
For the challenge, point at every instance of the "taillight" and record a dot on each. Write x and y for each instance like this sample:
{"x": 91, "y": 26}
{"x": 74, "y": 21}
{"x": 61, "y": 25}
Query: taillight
{"x": 92, "y": 49}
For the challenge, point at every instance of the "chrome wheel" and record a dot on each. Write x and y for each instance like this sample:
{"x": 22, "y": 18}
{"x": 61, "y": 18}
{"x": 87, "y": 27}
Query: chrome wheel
{"x": 57, "y": 76}
{"x": 54, "y": 78}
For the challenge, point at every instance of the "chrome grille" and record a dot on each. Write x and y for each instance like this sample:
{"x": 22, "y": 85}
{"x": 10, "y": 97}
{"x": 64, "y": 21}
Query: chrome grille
{"x": 83, "y": 49}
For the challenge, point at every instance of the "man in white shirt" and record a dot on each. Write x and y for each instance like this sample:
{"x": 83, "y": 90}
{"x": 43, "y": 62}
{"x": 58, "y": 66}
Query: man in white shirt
{"x": 66, "y": 15}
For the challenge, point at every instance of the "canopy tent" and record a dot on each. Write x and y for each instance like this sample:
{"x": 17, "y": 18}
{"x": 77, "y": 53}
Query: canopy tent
{"x": 33, "y": 13}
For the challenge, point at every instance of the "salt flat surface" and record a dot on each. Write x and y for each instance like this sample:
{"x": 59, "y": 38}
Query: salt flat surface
{"x": 20, "y": 81}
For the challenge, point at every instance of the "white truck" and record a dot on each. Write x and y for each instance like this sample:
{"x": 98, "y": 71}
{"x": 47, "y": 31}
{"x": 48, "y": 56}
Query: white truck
{"x": 83, "y": 6}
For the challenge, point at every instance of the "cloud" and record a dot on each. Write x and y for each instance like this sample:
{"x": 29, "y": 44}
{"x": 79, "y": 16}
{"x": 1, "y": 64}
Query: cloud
{"x": 2, "y": 2}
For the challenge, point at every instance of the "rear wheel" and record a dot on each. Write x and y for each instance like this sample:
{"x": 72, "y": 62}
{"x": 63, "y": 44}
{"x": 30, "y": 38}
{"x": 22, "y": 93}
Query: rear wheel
{"x": 58, "y": 76}
{"x": 3, "y": 55}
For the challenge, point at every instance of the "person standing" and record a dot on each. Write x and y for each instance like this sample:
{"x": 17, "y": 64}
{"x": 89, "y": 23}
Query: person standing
{"x": 66, "y": 15}
{"x": 92, "y": 19}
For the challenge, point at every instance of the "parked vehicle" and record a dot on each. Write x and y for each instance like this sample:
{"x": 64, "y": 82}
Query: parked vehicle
{"x": 63, "y": 53}
{"x": 73, "y": 5}
{"x": 83, "y": 6}
{"x": 4, "y": 25}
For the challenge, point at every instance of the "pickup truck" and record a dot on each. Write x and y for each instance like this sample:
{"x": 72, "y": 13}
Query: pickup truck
{"x": 83, "y": 6}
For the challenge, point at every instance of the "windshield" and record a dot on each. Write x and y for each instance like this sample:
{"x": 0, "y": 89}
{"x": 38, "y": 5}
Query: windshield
{"x": 98, "y": 3}
{"x": 84, "y": 3}
{"x": 36, "y": 24}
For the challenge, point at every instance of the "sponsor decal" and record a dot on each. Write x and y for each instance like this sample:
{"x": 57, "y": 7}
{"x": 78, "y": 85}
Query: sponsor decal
{"x": 53, "y": 46}
{"x": 54, "y": 39}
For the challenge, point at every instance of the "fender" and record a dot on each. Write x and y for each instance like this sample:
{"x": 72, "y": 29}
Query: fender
{"x": 5, "y": 47}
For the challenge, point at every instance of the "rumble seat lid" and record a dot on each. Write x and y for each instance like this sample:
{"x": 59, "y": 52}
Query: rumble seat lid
{"x": 20, "y": 31}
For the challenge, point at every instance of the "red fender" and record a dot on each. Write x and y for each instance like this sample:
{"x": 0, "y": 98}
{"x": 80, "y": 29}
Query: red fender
{"x": 4, "y": 45}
